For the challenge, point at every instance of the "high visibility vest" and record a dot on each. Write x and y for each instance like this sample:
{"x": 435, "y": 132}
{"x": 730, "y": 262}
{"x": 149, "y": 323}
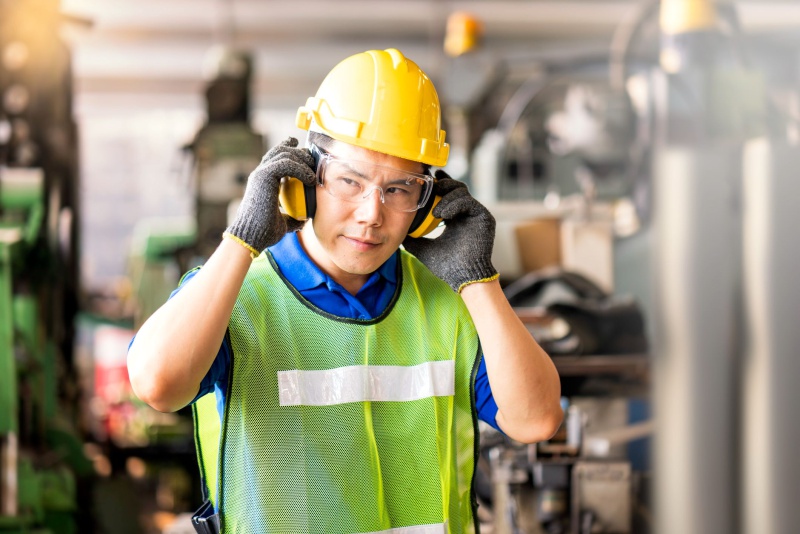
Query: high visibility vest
{"x": 336, "y": 425}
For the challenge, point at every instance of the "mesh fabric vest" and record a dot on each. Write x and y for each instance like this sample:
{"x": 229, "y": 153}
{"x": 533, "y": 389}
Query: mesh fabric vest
{"x": 348, "y": 465}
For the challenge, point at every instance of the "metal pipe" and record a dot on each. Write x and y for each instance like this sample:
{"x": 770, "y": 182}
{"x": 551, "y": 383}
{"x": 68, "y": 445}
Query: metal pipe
{"x": 697, "y": 250}
{"x": 771, "y": 478}
{"x": 599, "y": 444}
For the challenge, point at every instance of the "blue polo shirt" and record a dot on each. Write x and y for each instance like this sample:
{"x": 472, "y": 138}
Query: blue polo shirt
{"x": 322, "y": 291}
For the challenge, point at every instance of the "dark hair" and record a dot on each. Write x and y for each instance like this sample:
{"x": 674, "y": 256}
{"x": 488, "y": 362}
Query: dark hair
{"x": 320, "y": 139}
{"x": 325, "y": 142}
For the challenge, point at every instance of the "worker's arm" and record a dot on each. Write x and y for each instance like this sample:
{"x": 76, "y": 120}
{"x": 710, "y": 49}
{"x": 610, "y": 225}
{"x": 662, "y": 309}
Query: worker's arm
{"x": 175, "y": 347}
{"x": 525, "y": 384}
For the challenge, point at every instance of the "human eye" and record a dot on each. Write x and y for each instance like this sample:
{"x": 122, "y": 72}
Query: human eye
{"x": 410, "y": 187}
{"x": 347, "y": 182}
{"x": 399, "y": 190}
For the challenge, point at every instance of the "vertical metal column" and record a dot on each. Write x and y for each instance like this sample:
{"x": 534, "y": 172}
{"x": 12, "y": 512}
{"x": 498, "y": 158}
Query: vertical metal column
{"x": 703, "y": 118}
{"x": 697, "y": 244}
{"x": 771, "y": 396}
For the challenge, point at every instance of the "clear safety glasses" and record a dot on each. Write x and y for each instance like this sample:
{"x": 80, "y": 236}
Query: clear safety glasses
{"x": 354, "y": 181}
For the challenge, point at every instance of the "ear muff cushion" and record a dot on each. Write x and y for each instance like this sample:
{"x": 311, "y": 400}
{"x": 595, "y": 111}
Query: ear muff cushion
{"x": 292, "y": 197}
{"x": 424, "y": 222}
{"x": 429, "y": 223}
{"x": 297, "y": 199}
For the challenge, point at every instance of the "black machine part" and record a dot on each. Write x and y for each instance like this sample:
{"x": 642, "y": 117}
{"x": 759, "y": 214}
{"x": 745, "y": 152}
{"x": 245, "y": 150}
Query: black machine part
{"x": 529, "y": 287}
{"x": 598, "y": 323}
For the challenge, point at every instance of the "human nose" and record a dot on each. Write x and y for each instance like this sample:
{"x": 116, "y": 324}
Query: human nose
{"x": 369, "y": 209}
{"x": 368, "y": 194}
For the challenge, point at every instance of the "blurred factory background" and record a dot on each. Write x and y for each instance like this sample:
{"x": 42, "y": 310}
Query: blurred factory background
{"x": 641, "y": 158}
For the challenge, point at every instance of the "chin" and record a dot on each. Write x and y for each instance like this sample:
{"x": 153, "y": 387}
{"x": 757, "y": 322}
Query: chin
{"x": 360, "y": 268}
{"x": 363, "y": 263}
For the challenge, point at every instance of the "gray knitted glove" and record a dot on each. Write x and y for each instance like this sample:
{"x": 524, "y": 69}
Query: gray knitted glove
{"x": 259, "y": 222}
{"x": 462, "y": 255}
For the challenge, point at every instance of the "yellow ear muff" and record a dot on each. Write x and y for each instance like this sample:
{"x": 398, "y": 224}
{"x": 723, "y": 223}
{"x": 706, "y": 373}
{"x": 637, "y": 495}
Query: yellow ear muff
{"x": 430, "y": 222}
{"x": 293, "y": 199}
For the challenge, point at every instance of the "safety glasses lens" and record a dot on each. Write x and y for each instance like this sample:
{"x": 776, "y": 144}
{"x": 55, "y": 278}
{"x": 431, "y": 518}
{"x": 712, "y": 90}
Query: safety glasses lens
{"x": 355, "y": 181}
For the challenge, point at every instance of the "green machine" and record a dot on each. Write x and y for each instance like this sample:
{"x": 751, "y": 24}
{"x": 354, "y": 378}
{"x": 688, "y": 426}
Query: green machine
{"x": 40, "y": 454}
{"x": 41, "y": 458}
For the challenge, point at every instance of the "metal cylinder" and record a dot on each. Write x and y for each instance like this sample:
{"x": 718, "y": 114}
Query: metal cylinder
{"x": 697, "y": 255}
{"x": 771, "y": 478}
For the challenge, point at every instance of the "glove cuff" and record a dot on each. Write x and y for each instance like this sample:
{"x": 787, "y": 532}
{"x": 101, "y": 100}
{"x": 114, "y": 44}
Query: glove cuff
{"x": 251, "y": 233}
{"x": 253, "y": 252}
{"x": 477, "y": 272}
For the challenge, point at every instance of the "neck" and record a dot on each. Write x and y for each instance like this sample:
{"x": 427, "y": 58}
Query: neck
{"x": 352, "y": 283}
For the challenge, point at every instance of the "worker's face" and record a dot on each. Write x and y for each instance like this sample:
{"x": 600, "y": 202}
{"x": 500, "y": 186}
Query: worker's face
{"x": 351, "y": 239}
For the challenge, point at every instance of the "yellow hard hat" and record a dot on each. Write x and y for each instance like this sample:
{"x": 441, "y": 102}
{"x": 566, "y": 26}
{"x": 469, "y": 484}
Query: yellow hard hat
{"x": 381, "y": 101}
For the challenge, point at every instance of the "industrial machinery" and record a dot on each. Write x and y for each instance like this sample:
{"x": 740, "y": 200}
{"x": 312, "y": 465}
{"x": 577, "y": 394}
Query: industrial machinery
{"x": 226, "y": 149}
{"x": 223, "y": 153}
{"x": 585, "y": 479}
{"x": 41, "y": 458}
{"x": 696, "y": 126}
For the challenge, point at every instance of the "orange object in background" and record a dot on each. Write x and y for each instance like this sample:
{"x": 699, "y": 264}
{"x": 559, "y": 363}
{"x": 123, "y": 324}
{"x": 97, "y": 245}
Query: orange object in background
{"x": 464, "y": 32}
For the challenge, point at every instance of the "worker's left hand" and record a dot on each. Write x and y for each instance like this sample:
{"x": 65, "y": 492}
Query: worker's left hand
{"x": 462, "y": 255}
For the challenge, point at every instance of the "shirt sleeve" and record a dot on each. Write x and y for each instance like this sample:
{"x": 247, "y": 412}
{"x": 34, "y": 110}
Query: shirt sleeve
{"x": 218, "y": 372}
{"x": 484, "y": 400}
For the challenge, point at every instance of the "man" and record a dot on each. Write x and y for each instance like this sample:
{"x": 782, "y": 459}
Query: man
{"x": 348, "y": 373}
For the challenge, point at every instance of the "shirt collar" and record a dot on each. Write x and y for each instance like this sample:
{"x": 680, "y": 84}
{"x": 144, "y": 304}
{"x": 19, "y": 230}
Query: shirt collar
{"x": 301, "y": 271}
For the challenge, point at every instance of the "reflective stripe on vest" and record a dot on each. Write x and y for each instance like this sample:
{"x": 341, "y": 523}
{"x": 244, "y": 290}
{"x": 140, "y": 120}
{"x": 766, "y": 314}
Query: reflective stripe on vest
{"x": 341, "y": 426}
{"x": 366, "y": 383}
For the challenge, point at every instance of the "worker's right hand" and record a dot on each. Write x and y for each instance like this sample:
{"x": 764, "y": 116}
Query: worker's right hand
{"x": 259, "y": 222}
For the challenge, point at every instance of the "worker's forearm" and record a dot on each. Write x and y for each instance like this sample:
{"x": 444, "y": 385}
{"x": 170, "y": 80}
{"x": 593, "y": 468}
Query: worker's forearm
{"x": 524, "y": 381}
{"x": 175, "y": 347}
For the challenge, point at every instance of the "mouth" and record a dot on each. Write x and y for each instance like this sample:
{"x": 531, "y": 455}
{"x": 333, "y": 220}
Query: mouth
{"x": 362, "y": 244}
